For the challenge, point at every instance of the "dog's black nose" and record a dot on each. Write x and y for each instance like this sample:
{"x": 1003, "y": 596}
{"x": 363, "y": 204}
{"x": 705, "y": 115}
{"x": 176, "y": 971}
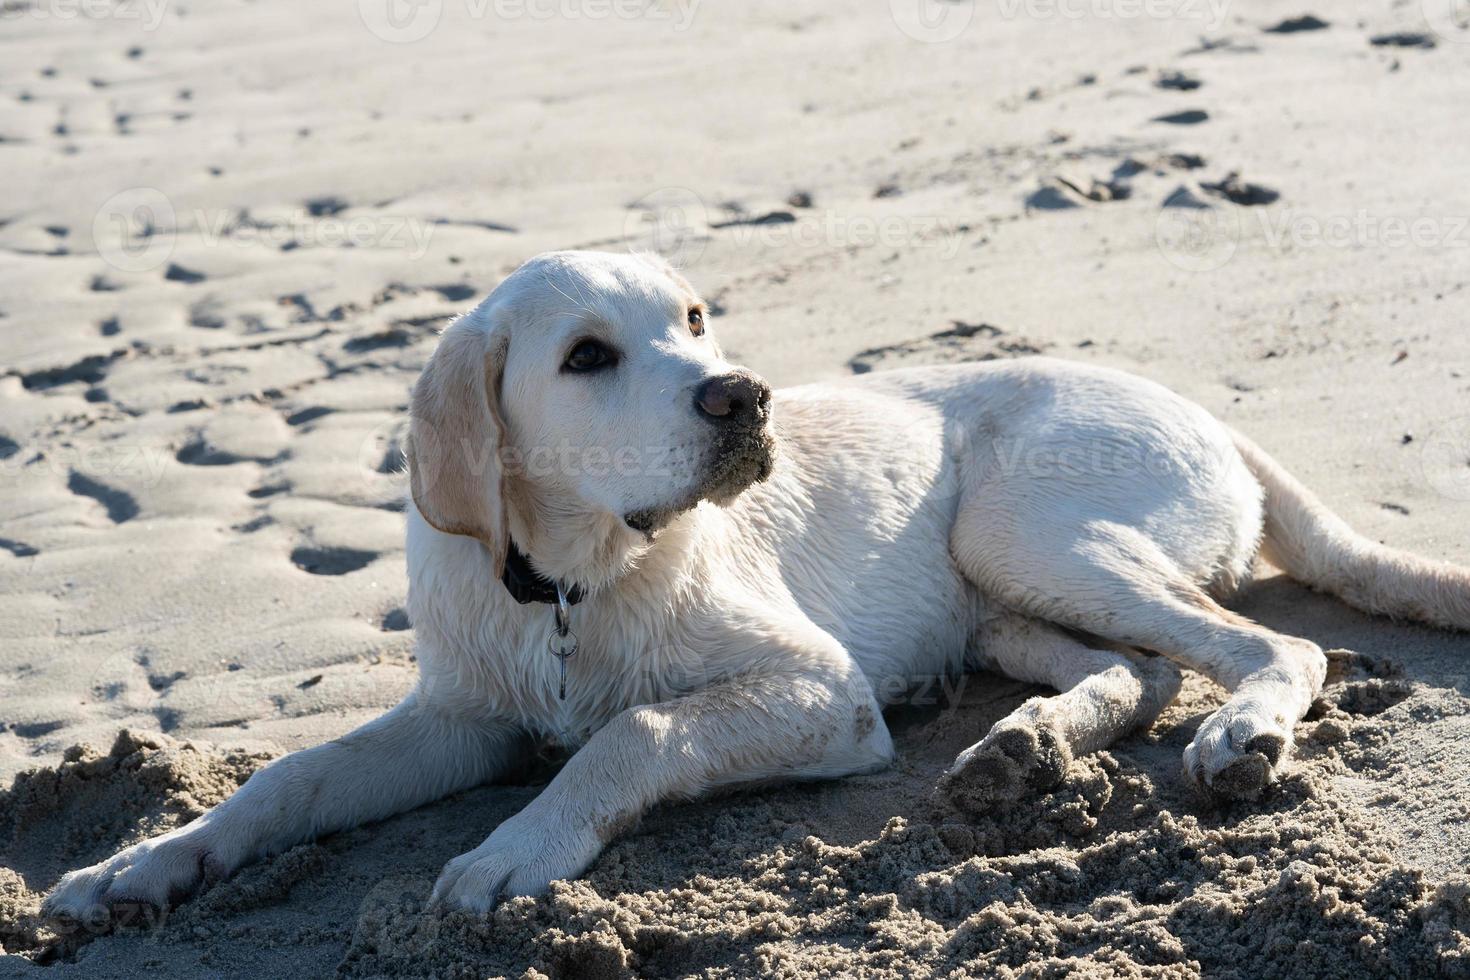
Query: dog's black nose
{"x": 735, "y": 397}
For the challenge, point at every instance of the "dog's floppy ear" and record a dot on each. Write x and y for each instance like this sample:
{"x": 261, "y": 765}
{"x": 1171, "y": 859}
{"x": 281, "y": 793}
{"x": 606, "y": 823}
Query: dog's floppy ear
{"x": 455, "y": 438}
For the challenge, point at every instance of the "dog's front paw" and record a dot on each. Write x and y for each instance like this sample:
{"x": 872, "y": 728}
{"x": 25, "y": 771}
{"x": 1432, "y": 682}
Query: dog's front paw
{"x": 157, "y": 873}
{"x": 1022, "y": 754}
{"x": 522, "y": 857}
{"x": 1238, "y": 752}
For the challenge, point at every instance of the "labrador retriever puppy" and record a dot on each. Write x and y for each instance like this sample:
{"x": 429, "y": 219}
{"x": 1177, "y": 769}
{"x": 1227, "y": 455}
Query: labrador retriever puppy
{"x": 621, "y": 541}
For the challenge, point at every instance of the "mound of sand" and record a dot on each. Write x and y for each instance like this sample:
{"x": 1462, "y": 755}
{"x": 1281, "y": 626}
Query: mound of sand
{"x": 56, "y": 819}
{"x": 1115, "y": 872}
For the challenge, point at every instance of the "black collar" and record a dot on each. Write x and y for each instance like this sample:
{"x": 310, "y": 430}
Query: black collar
{"x": 525, "y": 584}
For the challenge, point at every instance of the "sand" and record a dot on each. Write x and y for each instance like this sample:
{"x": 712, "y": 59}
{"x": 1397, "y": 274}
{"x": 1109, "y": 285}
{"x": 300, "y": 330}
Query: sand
{"x": 1112, "y": 873}
{"x": 229, "y": 232}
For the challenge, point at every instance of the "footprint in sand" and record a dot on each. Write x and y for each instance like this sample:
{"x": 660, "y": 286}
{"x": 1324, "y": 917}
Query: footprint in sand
{"x": 238, "y": 434}
{"x": 18, "y": 548}
{"x": 1237, "y": 191}
{"x": 1049, "y": 197}
{"x": 1185, "y": 117}
{"x": 36, "y": 729}
{"x": 90, "y": 370}
{"x": 331, "y": 561}
{"x": 201, "y": 452}
{"x": 1295, "y": 25}
{"x": 206, "y": 315}
{"x": 178, "y": 273}
{"x": 268, "y": 490}
{"x": 1403, "y": 39}
{"x": 455, "y": 292}
{"x": 119, "y": 503}
{"x": 306, "y": 415}
{"x": 394, "y": 336}
{"x": 1177, "y": 81}
{"x": 326, "y": 207}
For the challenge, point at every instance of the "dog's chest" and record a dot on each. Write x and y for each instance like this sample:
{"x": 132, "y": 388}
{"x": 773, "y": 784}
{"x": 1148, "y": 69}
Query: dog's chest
{"x": 510, "y": 670}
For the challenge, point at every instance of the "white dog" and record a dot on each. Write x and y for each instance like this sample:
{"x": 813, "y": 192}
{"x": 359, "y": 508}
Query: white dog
{"x": 757, "y": 567}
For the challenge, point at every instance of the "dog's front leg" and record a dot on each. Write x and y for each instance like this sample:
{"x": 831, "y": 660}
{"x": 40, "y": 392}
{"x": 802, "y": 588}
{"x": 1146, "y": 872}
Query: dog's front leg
{"x": 809, "y": 715}
{"x": 407, "y": 757}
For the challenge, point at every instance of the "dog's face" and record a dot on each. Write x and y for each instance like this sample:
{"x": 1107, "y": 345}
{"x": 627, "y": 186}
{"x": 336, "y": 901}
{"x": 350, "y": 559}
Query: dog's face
{"x": 586, "y": 381}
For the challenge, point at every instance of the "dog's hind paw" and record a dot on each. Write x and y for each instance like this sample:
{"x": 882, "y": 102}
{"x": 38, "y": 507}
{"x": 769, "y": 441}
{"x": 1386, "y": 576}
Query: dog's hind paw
{"x": 1021, "y": 755}
{"x": 1237, "y": 753}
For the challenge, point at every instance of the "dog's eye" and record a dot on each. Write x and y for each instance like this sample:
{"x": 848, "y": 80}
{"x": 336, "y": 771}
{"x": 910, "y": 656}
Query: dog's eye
{"x": 590, "y": 355}
{"x": 696, "y": 321}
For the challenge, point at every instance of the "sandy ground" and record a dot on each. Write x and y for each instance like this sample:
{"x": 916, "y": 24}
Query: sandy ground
{"x": 229, "y": 232}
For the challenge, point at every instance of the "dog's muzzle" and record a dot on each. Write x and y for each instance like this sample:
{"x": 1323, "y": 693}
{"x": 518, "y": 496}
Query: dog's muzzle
{"x": 738, "y": 405}
{"x": 741, "y": 450}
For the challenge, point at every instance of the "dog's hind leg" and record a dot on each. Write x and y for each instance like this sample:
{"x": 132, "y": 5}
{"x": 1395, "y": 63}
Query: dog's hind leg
{"x": 1105, "y": 694}
{"x": 1112, "y": 581}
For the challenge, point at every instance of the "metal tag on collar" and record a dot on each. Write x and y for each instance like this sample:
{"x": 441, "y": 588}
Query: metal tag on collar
{"x": 562, "y": 643}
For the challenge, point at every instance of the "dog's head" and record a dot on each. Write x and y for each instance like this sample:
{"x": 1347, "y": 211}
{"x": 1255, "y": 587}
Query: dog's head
{"x": 585, "y": 393}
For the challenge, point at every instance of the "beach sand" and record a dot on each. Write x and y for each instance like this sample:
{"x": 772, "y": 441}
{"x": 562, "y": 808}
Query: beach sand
{"x": 229, "y": 233}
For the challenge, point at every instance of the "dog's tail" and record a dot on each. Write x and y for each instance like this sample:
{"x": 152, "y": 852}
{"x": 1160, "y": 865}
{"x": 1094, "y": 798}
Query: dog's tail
{"x": 1315, "y": 546}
